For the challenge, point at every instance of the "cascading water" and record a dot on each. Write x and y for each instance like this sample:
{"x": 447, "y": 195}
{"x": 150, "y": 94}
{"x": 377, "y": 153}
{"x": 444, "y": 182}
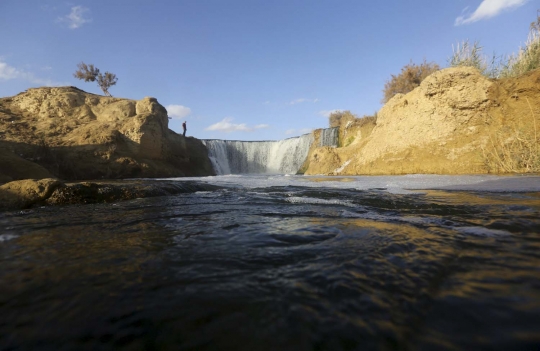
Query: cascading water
{"x": 240, "y": 157}
{"x": 329, "y": 137}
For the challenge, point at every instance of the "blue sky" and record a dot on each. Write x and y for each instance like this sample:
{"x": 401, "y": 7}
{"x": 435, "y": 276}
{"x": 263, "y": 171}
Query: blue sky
{"x": 247, "y": 70}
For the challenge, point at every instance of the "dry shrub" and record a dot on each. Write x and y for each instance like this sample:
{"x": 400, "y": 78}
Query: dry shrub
{"x": 347, "y": 118}
{"x": 467, "y": 55}
{"x": 354, "y": 124}
{"x": 340, "y": 117}
{"x": 367, "y": 120}
{"x": 528, "y": 57}
{"x": 410, "y": 77}
{"x": 514, "y": 150}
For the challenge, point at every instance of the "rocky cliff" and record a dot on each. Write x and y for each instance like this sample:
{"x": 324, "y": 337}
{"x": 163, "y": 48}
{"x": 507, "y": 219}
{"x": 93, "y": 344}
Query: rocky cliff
{"x": 70, "y": 134}
{"x": 457, "y": 121}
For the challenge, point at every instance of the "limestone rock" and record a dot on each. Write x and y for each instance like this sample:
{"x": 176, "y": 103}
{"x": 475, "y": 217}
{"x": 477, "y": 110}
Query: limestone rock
{"x": 14, "y": 167}
{"x": 442, "y": 126}
{"x": 77, "y": 135}
{"x": 24, "y": 193}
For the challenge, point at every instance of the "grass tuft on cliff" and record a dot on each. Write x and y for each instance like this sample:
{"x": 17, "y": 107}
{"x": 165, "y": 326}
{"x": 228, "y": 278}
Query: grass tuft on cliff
{"x": 514, "y": 65}
{"x": 514, "y": 149}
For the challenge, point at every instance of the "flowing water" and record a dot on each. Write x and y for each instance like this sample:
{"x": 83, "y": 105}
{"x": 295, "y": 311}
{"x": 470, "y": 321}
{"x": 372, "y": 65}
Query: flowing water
{"x": 280, "y": 263}
{"x": 241, "y": 157}
{"x": 329, "y": 137}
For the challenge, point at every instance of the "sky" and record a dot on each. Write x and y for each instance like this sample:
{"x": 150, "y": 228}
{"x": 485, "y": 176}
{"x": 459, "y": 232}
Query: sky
{"x": 247, "y": 69}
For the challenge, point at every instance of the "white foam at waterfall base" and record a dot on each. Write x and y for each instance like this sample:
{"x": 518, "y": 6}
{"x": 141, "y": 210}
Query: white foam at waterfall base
{"x": 258, "y": 157}
{"x": 393, "y": 184}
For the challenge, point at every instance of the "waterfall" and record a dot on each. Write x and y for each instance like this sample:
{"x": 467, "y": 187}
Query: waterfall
{"x": 329, "y": 137}
{"x": 236, "y": 157}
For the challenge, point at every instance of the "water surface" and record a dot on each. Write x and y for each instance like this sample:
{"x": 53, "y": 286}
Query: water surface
{"x": 280, "y": 263}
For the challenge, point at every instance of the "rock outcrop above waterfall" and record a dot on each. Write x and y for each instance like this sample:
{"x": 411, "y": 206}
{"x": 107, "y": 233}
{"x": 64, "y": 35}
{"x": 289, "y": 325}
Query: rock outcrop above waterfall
{"x": 67, "y": 133}
{"x": 448, "y": 125}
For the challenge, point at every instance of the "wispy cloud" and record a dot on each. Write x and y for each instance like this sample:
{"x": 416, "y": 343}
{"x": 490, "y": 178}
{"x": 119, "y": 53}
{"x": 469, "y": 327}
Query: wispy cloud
{"x": 302, "y": 100}
{"x": 178, "y": 111}
{"x": 226, "y": 126}
{"x": 8, "y": 72}
{"x": 488, "y": 9}
{"x": 327, "y": 113}
{"x": 76, "y": 18}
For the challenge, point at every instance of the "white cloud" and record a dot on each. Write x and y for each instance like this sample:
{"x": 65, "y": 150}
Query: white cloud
{"x": 76, "y": 17}
{"x": 178, "y": 111}
{"x": 327, "y": 113}
{"x": 226, "y": 126}
{"x": 488, "y": 9}
{"x": 299, "y": 101}
{"x": 8, "y": 72}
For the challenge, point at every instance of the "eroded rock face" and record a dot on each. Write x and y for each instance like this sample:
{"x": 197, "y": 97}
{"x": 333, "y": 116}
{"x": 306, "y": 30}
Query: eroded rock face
{"x": 77, "y": 135}
{"x": 440, "y": 107}
{"x": 442, "y": 126}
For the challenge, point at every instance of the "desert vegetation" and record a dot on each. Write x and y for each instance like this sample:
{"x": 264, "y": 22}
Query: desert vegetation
{"x": 340, "y": 117}
{"x": 409, "y": 78}
{"x": 526, "y": 59}
{"x": 90, "y": 73}
{"x": 346, "y": 118}
{"x": 514, "y": 149}
{"x": 348, "y": 123}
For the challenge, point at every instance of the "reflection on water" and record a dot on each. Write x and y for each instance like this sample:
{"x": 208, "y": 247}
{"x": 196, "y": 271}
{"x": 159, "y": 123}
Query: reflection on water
{"x": 277, "y": 268}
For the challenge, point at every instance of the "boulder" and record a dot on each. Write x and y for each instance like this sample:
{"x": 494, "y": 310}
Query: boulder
{"x": 22, "y": 194}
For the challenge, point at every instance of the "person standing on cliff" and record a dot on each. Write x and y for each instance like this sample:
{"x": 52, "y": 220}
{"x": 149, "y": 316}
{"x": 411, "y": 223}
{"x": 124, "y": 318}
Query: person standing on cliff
{"x": 184, "y": 126}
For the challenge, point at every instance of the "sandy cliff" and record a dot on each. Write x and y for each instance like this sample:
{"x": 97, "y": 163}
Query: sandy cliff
{"x": 446, "y": 125}
{"x": 67, "y": 133}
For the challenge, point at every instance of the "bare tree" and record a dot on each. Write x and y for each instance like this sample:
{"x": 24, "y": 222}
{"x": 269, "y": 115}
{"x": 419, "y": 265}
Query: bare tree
{"x": 90, "y": 73}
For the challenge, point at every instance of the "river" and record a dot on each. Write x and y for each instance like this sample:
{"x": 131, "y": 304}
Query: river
{"x": 274, "y": 262}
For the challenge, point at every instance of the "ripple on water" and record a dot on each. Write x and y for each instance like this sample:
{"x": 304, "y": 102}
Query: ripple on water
{"x": 283, "y": 268}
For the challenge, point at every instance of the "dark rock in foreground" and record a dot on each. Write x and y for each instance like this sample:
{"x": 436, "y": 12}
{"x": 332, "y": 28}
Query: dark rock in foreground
{"x": 27, "y": 193}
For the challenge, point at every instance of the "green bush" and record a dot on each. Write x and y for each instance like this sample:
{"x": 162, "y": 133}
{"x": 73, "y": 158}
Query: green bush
{"x": 410, "y": 77}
